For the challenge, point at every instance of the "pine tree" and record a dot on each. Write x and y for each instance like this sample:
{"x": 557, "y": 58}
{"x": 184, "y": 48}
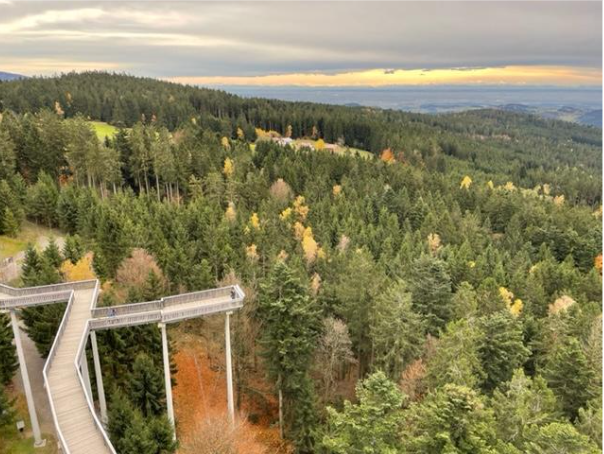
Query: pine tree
{"x": 137, "y": 437}
{"x": 501, "y": 349}
{"x": 52, "y": 254}
{"x": 372, "y": 425}
{"x": 451, "y": 419}
{"x": 111, "y": 245}
{"x": 290, "y": 326}
{"x": 8, "y": 355}
{"x": 396, "y": 330}
{"x": 146, "y": 387}
{"x": 9, "y": 223}
{"x": 520, "y": 404}
{"x": 32, "y": 267}
{"x": 558, "y": 437}
{"x": 569, "y": 375}
{"x": 162, "y": 434}
{"x": 73, "y": 250}
{"x": 121, "y": 415}
{"x": 430, "y": 285}
{"x": 154, "y": 287}
{"x": 7, "y": 412}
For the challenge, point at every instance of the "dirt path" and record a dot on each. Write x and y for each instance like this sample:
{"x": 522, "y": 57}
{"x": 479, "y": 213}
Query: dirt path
{"x": 10, "y": 268}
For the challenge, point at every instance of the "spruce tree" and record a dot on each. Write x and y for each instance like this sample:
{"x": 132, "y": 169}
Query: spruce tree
{"x": 121, "y": 415}
{"x": 430, "y": 285}
{"x": 146, "y": 387}
{"x": 290, "y": 326}
{"x": 73, "y": 250}
{"x": 569, "y": 375}
{"x": 396, "y": 330}
{"x": 7, "y": 411}
{"x": 52, "y": 255}
{"x": 501, "y": 349}
{"x": 8, "y": 355}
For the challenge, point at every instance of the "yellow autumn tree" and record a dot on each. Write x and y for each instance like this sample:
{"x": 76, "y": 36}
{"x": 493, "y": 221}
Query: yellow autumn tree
{"x": 320, "y": 144}
{"x": 229, "y": 167}
{"x": 298, "y": 230}
{"x": 491, "y": 185}
{"x": 225, "y": 142}
{"x": 251, "y": 252}
{"x": 509, "y": 186}
{"x": 255, "y": 221}
{"x": 309, "y": 246}
{"x": 240, "y": 134}
{"x": 514, "y": 305}
{"x": 434, "y": 243}
{"x": 81, "y": 271}
{"x": 285, "y": 214}
{"x": 559, "y": 200}
{"x": 289, "y": 131}
{"x": 230, "y": 212}
{"x": 336, "y": 190}
{"x": 300, "y": 208}
{"x": 466, "y": 182}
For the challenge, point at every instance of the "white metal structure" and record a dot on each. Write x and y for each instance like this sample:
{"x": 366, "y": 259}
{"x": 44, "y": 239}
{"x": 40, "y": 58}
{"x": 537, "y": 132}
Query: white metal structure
{"x": 66, "y": 375}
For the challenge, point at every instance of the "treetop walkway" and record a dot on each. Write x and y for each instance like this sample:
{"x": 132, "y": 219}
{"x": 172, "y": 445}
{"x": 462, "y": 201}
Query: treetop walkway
{"x": 66, "y": 375}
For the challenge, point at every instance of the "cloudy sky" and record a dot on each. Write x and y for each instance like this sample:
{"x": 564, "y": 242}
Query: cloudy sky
{"x": 309, "y": 43}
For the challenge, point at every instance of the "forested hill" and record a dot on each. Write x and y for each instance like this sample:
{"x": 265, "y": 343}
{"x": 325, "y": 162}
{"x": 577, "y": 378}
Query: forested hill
{"x": 447, "y": 286}
{"x": 488, "y": 143}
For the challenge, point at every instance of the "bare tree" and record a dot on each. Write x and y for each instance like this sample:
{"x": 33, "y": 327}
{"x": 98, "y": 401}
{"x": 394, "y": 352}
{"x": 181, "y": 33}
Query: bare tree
{"x": 333, "y": 356}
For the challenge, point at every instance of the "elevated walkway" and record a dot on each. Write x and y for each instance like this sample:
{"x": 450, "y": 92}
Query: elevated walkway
{"x": 66, "y": 376}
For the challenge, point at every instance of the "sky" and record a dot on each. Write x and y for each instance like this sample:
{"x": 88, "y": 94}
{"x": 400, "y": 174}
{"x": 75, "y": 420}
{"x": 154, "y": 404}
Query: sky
{"x": 310, "y": 43}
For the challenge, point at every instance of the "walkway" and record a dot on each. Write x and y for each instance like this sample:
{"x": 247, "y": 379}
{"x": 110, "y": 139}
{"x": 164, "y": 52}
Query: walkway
{"x": 65, "y": 372}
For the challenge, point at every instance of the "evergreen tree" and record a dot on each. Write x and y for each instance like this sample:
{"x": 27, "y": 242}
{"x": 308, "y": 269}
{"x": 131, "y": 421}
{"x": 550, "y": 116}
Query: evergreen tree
{"x": 73, "y": 250}
{"x": 456, "y": 359}
{"x": 52, "y": 255}
{"x": 520, "y": 404}
{"x": 120, "y": 418}
{"x": 501, "y": 349}
{"x": 290, "y": 326}
{"x": 146, "y": 387}
{"x": 8, "y": 355}
{"x": 395, "y": 329}
{"x": 111, "y": 245}
{"x": 7, "y": 412}
{"x": 558, "y": 437}
{"x": 154, "y": 287}
{"x": 430, "y": 285}
{"x": 451, "y": 419}
{"x": 162, "y": 434}
{"x": 42, "y": 200}
{"x": 569, "y": 375}
{"x": 372, "y": 425}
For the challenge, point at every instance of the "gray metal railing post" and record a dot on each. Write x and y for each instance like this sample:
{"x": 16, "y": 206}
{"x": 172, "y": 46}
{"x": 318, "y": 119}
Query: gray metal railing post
{"x": 38, "y": 441}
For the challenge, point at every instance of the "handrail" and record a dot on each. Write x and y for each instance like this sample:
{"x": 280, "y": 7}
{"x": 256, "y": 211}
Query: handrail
{"x": 155, "y": 311}
{"x": 47, "y": 365}
{"x": 51, "y": 288}
{"x": 77, "y": 364}
{"x": 35, "y": 300}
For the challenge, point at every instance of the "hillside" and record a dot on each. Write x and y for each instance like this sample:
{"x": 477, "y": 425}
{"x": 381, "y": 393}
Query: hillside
{"x": 442, "y": 293}
{"x": 10, "y": 76}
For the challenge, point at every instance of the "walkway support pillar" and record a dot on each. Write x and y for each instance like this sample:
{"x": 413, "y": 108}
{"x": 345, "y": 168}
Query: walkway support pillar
{"x": 31, "y": 407}
{"x": 229, "y": 368}
{"x": 167, "y": 379}
{"x": 99, "y": 377}
{"x": 86, "y": 375}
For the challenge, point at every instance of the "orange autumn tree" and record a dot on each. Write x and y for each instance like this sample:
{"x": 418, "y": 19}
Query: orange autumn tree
{"x": 387, "y": 156}
{"x": 81, "y": 271}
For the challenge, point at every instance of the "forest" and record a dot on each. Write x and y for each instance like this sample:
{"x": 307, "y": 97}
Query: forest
{"x": 443, "y": 296}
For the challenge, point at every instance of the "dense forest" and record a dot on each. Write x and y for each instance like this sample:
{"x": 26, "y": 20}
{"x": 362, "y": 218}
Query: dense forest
{"x": 454, "y": 277}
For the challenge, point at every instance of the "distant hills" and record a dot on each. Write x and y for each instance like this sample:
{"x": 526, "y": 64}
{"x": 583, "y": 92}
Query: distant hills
{"x": 10, "y": 76}
{"x": 582, "y": 115}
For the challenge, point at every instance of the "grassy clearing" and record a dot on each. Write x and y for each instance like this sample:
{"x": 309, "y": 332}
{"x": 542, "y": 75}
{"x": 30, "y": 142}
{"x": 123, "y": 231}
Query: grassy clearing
{"x": 30, "y": 233}
{"x": 103, "y": 129}
{"x": 11, "y": 441}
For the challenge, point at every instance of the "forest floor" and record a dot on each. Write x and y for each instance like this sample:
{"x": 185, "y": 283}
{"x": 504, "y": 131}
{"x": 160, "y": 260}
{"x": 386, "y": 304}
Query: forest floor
{"x": 200, "y": 404}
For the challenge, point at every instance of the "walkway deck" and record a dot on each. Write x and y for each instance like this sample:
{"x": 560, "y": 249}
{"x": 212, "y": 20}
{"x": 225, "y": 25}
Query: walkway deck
{"x": 78, "y": 427}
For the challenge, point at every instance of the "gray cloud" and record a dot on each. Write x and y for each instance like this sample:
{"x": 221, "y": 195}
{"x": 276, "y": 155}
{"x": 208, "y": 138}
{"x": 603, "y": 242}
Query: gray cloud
{"x": 256, "y": 38}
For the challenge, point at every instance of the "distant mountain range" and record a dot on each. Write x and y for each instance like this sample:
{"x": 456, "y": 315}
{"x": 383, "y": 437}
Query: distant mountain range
{"x": 10, "y": 76}
{"x": 581, "y": 115}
